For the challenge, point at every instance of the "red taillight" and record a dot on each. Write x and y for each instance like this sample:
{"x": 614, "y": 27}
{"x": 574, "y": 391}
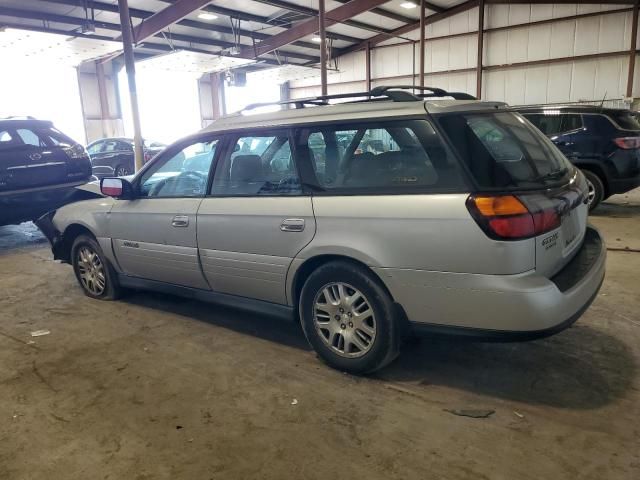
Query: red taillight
{"x": 627, "y": 143}
{"x": 507, "y": 217}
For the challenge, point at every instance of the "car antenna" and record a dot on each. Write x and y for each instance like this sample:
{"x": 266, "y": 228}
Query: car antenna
{"x": 602, "y": 102}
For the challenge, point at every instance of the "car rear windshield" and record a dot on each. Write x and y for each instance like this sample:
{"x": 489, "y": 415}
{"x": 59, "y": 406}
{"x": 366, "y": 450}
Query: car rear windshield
{"x": 626, "y": 120}
{"x": 29, "y": 137}
{"x": 503, "y": 151}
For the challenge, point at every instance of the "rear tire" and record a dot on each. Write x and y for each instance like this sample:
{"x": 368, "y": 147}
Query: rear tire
{"x": 93, "y": 271}
{"x": 349, "y": 318}
{"x": 596, "y": 189}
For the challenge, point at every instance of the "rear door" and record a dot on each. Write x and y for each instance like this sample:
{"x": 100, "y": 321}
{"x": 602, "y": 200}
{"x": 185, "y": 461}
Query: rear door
{"x": 38, "y": 156}
{"x": 256, "y": 219}
{"x": 154, "y": 235}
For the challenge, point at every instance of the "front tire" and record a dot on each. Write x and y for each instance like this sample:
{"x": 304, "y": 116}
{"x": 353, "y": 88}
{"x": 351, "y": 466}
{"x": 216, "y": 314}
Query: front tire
{"x": 596, "y": 189}
{"x": 93, "y": 271}
{"x": 349, "y": 318}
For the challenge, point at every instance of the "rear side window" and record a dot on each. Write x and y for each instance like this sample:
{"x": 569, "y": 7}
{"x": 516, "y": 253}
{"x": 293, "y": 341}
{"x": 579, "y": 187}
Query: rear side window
{"x": 395, "y": 156}
{"x": 502, "y": 151}
{"x": 554, "y": 123}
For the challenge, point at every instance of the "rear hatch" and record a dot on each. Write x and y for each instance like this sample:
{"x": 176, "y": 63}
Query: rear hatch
{"x": 525, "y": 187}
{"x": 37, "y": 156}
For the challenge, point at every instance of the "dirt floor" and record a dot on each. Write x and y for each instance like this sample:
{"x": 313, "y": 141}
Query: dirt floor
{"x": 153, "y": 387}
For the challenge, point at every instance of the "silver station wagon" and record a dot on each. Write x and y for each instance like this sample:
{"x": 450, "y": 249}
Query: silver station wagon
{"x": 364, "y": 216}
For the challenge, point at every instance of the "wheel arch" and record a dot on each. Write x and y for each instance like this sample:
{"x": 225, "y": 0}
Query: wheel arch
{"x": 599, "y": 171}
{"x": 311, "y": 264}
{"x": 71, "y": 232}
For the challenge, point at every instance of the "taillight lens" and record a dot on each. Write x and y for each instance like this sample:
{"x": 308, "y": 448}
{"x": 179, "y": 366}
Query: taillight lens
{"x": 507, "y": 217}
{"x": 627, "y": 143}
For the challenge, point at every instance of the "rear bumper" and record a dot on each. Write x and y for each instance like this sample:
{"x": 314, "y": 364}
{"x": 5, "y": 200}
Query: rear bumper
{"x": 23, "y": 205}
{"x": 500, "y": 307}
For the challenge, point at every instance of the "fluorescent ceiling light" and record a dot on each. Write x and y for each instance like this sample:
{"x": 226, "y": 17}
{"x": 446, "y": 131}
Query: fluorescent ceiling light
{"x": 408, "y": 5}
{"x": 207, "y": 16}
{"x": 316, "y": 39}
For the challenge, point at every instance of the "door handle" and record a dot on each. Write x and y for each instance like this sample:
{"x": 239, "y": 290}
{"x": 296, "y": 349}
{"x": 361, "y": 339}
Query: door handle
{"x": 180, "y": 221}
{"x": 292, "y": 225}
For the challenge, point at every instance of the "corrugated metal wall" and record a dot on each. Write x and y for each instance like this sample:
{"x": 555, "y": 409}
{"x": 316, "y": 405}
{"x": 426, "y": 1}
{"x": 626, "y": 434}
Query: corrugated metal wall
{"x": 450, "y": 62}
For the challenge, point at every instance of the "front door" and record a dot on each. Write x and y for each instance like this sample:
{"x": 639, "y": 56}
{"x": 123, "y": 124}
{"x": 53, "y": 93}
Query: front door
{"x": 154, "y": 235}
{"x": 256, "y": 220}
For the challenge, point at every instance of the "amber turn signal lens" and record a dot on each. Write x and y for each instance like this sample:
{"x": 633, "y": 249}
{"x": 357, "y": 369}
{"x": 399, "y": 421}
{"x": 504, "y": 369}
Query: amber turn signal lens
{"x": 499, "y": 206}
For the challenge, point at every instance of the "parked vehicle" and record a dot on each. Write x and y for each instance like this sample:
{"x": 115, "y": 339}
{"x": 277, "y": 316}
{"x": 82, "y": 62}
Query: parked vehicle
{"x": 603, "y": 142}
{"x": 462, "y": 219}
{"x": 114, "y": 156}
{"x": 39, "y": 168}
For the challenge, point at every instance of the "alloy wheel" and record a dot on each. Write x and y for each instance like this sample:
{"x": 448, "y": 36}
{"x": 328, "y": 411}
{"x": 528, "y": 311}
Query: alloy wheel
{"x": 91, "y": 271}
{"x": 344, "y": 319}
{"x": 591, "y": 195}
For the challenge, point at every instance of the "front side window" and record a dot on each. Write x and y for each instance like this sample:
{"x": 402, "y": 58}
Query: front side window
{"x": 392, "y": 155}
{"x": 501, "y": 150}
{"x": 258, "y": 165}
{"x": 180, "y": 174}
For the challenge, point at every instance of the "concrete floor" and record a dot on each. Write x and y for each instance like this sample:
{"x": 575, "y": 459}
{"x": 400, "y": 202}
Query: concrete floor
{"x": 154, "y": 387}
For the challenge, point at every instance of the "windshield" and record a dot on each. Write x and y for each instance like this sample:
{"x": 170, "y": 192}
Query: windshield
{"x": 503, "y": 151}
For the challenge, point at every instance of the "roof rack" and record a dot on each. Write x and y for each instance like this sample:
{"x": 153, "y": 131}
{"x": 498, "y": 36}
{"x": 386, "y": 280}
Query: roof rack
{"x": 396, "y": 93}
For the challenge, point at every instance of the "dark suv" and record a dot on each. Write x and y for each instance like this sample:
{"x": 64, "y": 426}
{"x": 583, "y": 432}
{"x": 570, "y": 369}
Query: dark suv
{"x": 603, "y": 142}
{"x": 114, "y": 156}
{"x": 39, "y": 168}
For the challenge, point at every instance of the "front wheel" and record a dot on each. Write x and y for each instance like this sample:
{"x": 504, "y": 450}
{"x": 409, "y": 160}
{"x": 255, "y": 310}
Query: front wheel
{"x": 349, "y": 318}
{"x": 93, "y": 271}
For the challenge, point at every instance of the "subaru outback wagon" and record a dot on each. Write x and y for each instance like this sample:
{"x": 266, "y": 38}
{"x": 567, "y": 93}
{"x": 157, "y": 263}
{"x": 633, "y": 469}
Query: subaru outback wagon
{"x": 364, "y": 220}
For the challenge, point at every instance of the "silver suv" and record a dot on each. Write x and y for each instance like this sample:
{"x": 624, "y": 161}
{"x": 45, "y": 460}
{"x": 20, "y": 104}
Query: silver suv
{"x": 365, "y": 220}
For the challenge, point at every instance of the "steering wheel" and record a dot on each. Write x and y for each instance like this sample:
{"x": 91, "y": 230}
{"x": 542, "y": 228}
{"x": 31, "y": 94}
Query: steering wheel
{"x": 190, "y": 180}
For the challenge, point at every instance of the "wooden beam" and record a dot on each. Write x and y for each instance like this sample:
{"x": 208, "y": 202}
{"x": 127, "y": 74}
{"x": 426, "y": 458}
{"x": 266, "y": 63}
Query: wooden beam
{"x": 632, "y": 50}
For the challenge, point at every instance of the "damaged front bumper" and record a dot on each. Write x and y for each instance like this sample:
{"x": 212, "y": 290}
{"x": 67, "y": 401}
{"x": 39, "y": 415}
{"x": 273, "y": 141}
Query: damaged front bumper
{"x": 55, "y": 237}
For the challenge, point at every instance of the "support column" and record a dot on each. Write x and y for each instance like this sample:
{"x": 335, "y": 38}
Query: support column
{"x": 367, "y": 63}
{"x": 632, "y": 50}
{"x": 285, "y": 94}
{"x": 102, "y": 95}
{"x": 422, "y": 41}
{"x": 323, "y": 47}
{"x": 127, "y": 43}
{"x": 480, "y": 48}
{"x": 217, "y": 93}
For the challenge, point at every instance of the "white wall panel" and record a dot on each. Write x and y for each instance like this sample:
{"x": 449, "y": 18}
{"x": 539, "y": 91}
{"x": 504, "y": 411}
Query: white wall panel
{"x": 556, "y": 82}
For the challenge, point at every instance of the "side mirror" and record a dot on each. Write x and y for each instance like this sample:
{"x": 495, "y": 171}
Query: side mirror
{"x": 116, "y": 188}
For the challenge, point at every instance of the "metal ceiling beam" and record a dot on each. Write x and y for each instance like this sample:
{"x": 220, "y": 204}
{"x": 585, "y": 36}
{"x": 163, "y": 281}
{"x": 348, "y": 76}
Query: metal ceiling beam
{"x": 310, "y": 26}
{"x": 388, "y": 13}
{"x": 311, "y": 12}
{"x": 68, "y": 20}
{"x": 250, "y": 17}
{"x": 165, "y": 18}
{"x": 436, "y": 17}
{"x": 208, "y": 27}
